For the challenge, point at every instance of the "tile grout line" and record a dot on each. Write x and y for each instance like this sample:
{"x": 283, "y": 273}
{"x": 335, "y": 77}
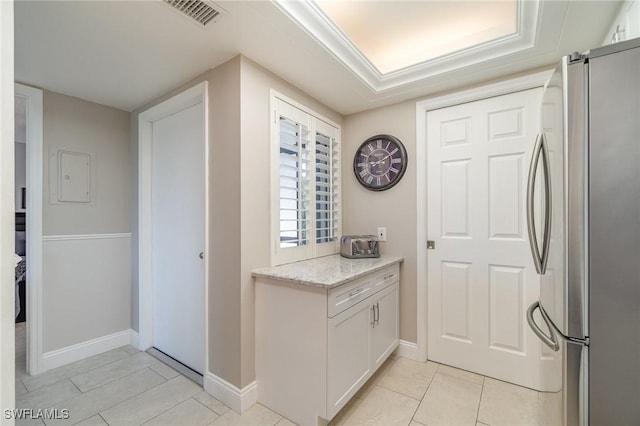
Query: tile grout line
{"x": 76, "y": 386}
{"x": 74, "y": 375}
{"x": 114, "y": 379}
{"x": 153, "y": 387}
{"x": 480, "y": 401}
{"x": 159, "y": 414}
{"x": 94, "y": 389}
{"x": 213, "y": 411}
{"x": 100, "y": 415}
{"x": 346, "y": 419}
{"x": 425, "y": 394}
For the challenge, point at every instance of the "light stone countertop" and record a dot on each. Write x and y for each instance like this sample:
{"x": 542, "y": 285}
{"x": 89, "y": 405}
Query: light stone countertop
{"x": 327, "y": 272}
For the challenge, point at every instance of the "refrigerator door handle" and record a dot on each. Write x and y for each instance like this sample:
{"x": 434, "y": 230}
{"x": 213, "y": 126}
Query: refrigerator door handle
{"x": 540, "y": 150}
{"x": 551, "y": 341}
{"x": 546, "y": 239}
{"x": 531, "y": 183}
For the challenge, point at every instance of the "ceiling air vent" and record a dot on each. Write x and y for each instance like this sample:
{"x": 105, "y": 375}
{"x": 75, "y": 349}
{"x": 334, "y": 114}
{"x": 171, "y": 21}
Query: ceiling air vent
{"x": 198, "y": 10}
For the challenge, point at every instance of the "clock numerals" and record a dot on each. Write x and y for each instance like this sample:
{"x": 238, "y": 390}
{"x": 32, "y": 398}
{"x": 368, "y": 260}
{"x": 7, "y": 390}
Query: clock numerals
{"x": 371, "y": 147}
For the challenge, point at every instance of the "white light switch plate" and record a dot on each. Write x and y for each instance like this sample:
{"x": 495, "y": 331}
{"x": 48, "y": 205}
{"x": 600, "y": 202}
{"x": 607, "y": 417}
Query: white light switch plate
{"x": 382, "y": 233}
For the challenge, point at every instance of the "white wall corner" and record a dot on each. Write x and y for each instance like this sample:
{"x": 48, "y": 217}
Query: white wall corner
{"x": 79, "y": 351}
{"x": 409, "y": 350}
{"x": 239, "y": 400}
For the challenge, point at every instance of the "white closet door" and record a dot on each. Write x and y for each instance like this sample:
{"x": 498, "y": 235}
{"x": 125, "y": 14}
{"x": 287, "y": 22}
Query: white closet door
{"x": 178, "y": 205}
{"x": 481, "y": 277}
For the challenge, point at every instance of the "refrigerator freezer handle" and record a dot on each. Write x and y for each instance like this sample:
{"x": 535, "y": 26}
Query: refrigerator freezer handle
{"x": 550, "y": 340}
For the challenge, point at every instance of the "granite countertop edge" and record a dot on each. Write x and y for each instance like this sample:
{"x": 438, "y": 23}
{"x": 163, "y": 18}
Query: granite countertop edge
{"x": 295, "y": 272}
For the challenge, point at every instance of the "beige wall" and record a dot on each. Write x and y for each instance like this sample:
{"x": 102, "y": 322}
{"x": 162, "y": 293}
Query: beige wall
{"x": 86, "y": 287}
{"x": 239, "y": 132}
{"x": 224, "y": 222}
{"x": 76, "y": 125}
{"x": 224, "y": 217}
{"x": 364, "y": 211}
{"x": 86, "y": 284}
{"x": 256, "y": 83}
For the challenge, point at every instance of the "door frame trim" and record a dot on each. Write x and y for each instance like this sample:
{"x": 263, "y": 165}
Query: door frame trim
{"x": 34, "y": 217}
{"x": 422, "y": 108}
{"x": 188, "y": 98}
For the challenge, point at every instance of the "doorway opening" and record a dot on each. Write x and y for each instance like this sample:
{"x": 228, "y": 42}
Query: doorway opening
{"x": 28, "y": 238}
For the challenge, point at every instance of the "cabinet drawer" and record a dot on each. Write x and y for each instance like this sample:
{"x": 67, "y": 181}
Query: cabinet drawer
{"x": 385, "y": 277}
{"x": 347, "y": 295}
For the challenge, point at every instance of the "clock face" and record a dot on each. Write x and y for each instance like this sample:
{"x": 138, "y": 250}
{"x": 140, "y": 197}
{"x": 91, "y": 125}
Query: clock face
{"x": 380, "y": 162}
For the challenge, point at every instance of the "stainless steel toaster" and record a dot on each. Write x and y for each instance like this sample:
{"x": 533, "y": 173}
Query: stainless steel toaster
{"x": 359, "y": 246}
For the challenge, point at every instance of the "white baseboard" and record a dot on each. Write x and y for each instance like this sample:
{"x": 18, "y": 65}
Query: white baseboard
{"x": 409, "y": 350}
{"x": 239, "y": 400}
{"x": 64, "y": 356}
{"x": 134, "y": 340}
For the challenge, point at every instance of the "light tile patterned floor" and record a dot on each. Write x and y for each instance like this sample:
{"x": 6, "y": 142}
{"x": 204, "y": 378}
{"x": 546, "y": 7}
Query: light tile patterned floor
{"x": 128, "y": 387}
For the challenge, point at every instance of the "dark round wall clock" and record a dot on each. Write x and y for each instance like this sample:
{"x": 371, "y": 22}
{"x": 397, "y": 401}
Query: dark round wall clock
{"x": 380, "y": 162}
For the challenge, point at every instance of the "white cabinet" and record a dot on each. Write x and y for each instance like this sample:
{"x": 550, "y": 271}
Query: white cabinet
{"x": 360, "y": 339}
{"x": 385, "y": 331}
{"x": 349, "y": 344}
{"x": 316, "y": 347}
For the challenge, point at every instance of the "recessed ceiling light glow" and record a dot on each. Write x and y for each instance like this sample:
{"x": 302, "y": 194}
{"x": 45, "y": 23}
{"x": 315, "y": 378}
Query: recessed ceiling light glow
{"x": 398, "y": 34}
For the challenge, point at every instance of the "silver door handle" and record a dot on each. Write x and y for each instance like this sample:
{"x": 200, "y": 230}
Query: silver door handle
{"x": 546, "y": 238}
{"x": 550, "y": 340}
{"x": 539, "y": 261}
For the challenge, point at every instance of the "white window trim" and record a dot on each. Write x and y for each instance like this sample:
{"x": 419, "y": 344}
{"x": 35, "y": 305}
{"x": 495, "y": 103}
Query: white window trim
{"x": 312, "y": 250}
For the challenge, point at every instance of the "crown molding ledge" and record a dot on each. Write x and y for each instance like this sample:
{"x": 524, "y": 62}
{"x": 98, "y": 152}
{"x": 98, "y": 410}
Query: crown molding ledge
{"x": 310, "y": 18}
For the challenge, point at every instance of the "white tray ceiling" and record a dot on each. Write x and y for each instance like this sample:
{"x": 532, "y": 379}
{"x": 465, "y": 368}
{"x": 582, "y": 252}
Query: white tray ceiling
{"x": 126, "y": 53}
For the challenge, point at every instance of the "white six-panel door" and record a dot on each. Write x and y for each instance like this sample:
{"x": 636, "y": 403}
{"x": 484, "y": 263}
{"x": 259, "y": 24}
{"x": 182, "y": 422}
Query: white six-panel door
{"x": 178, "y": 222}
{"x": 481, "y": 278}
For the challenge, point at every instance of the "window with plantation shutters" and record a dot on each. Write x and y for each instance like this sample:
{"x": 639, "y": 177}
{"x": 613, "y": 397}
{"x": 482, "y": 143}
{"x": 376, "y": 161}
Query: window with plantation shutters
{"x": 294, "y": 185}
{"x": 305, "y": 183}
{"x": 327, "y": 187}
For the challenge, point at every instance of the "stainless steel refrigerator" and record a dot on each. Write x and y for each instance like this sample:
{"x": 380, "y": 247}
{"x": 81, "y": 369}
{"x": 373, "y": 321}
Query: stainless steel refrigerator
{"x": 583, "y": 210}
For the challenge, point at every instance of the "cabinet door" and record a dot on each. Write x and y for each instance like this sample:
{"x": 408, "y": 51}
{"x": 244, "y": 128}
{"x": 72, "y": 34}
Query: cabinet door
{"x": 348, "y": 354}
{"x": 384, "y": 334}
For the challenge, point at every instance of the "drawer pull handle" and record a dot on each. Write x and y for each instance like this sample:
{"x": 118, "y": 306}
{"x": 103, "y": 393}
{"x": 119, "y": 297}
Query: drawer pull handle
{"x": 356, "y": 292}
{"x": 386, "y": 277}
{"x": 376, "y": 314}
{"x": 373, "y": 311}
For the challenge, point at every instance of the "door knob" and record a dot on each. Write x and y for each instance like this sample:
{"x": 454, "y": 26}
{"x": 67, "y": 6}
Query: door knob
{"x": 201, "y": 255}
